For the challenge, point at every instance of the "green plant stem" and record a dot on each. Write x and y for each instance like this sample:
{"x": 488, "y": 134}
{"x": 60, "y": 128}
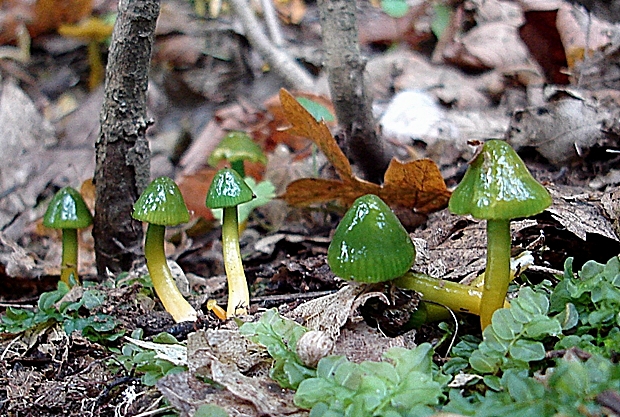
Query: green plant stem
{"x": 238, "y": 293}
{"x": 457, "y": 297}
{"x": 162, "y": 278}
{"x": 69, "y": 257}
{"x": 497, "y": 275}
{"x": 239, "y": 167}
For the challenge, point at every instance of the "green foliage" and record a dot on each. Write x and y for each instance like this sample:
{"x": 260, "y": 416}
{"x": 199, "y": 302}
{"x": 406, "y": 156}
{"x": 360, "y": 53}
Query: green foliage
{"x": 280, "y": 336}
{"x": 395, "y": 8}
{"x": 317, "y": 110}
{"x": 512, "y": 360}
{"x": 590, "y": 304}
{"x": 568, "y": 389}
{"x": 144, "y": 362}
{"x": 514, "y": 338}
{"x": 73, "y": 315}
{"x": 210, "y": 410}
{"x": 406, "y": 384}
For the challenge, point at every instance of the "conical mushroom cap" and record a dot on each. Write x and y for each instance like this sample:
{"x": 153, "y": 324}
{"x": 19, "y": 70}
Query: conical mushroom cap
{"x": 228, "y": 189}
{"x": 161, "y": 203}
{"x": 237, "y": 146}
{"x": 67, "y": 210}
{"x": 370, "y": 244}
{"x": 498, "y": 186}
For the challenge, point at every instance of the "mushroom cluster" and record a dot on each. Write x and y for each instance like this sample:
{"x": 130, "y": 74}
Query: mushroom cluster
{"x": 370, "y": 245}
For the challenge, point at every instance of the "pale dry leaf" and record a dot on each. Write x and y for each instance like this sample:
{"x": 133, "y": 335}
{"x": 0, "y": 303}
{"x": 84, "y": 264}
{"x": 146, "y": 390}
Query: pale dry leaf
{"x": 562, "y": 130}
{"x": 227, "y": 346}
{"x": 580, "y": 215}
{"x": 261, "y": 391}
{"x": 492, "y": 45}
{"x": 580, "y": 31}
{"x": 177, "y": 354}
{"x": 497, "y": 11}
{"x": 408, "y": 70}
{"x": 539, "y": 5}
{"x": 187, "y": 393}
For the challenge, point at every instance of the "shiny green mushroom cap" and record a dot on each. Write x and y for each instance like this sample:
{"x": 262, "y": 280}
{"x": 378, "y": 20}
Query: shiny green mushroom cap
{"x": 498, "y": 185}
{"x": 67, "y": 210}
{"x": 228, "y": 189}
{"x": 161, "y": 203}
{"x": 370, "y": 244}
{"x": 237, "y": 146}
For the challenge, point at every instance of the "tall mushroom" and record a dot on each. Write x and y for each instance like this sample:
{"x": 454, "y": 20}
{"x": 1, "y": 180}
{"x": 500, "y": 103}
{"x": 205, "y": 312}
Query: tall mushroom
{"x": 498, "y": 187}
{"x": 68, "y": 211}
{"x": 160, "y": 205}
{"x": 227, "y": 191}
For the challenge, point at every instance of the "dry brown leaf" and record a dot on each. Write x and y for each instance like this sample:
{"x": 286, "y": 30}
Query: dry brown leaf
{"x": 417, "y": 184}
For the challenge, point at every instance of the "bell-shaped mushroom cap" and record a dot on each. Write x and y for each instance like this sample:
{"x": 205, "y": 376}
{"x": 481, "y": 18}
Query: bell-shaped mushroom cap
{"x": 67, "y": 210}
{"x": 498, "y": 186}
{"x": 237, "y": 146}
{"x": 228, "y": 189}
{"x": 370, "y": 244}
{"x": 161, "y": 203}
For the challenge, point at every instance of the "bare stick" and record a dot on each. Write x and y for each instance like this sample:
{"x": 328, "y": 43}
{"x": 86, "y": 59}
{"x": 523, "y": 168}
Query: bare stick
{"x": 346, "y": 69}
{"x": 122, "y": 152}
{"x": 285, "y": 66}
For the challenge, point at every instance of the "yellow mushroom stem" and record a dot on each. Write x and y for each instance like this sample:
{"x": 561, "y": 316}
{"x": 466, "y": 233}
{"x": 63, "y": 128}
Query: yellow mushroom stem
{"x": 69, "y": 263}
{"x": 238, "y": 293}
{"x": 457, "y": 297}
{"x": 162, "y": 278}
{"x": 497, "y": 274}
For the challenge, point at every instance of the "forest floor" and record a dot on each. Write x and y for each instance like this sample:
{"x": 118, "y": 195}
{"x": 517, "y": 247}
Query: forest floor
{"x": 441, "y": 76}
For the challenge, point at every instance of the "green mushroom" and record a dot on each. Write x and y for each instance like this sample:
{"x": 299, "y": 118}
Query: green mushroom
{"x": 227, "y": 191}
{"x": 68, "y": 211}
{"x": 237, "y": 147}
{"x": 160, "y": 205}
{"x": 370, "y": 244}
{"x": 498, "y": 187}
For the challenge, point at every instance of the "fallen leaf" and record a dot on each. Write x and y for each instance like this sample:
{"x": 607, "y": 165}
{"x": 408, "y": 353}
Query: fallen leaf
{"x": 417, "y": 184}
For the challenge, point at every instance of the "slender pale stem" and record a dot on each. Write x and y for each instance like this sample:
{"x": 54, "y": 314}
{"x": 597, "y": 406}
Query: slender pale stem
{"x": 457, "y": 297}
{"x": 162, "y": 278}
{"x": 69, "y": 263}
{"x": 497, "y": 275}
{"x": 238, "y": 293}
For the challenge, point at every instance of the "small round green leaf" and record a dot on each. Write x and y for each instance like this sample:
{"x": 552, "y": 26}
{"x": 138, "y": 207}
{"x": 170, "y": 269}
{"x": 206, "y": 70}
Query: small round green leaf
{"x": 228, "y": 189}
{"x": 162, "y": 204}
{"x": 370, "y": 244}
{"x": 67, "y": 210}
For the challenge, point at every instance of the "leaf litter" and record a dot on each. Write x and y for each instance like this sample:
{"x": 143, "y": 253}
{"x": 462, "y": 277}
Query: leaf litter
{"x": 78, "y": 371}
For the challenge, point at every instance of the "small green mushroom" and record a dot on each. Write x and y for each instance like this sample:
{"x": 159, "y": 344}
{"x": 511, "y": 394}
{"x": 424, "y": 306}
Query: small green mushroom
{"x": 237, "y": 147}
{"x": 370, "y": 244}
{"x": 498, "y": 187}
{"x": 68, "y": 211}
{"x": 227, "y": 191}
{"x": 160, "y": 205}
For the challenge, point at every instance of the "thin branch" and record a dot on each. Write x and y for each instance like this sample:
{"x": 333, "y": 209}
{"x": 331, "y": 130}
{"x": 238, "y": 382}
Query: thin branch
{"x": 271, "y": 20}
{"x": 281, "y": 63}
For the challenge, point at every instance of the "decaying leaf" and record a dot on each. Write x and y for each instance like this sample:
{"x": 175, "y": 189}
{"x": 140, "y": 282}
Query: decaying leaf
{"x": 563, "y": 129}
{"x": 417, "y": 184}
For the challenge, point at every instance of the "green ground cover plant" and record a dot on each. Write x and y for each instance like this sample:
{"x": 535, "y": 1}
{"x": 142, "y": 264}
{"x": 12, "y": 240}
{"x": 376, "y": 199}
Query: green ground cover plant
{"x": 550, "y": 354}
